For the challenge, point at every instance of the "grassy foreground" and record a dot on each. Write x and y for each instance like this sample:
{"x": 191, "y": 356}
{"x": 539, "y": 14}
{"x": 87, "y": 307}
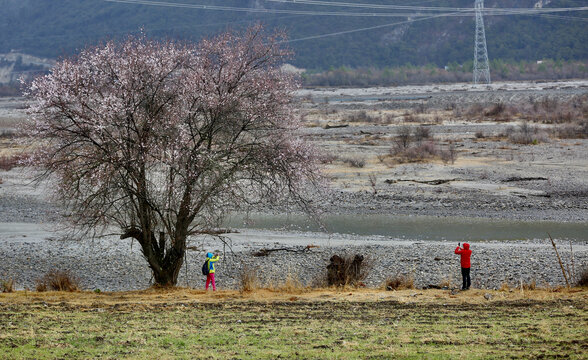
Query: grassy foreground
{"x": 329, "y": 324}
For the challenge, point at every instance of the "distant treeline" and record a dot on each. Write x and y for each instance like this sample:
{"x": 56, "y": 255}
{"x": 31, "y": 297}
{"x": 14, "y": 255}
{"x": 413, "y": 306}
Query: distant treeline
{"x": 412, "y": 75}
{"x": 415, "y": 75}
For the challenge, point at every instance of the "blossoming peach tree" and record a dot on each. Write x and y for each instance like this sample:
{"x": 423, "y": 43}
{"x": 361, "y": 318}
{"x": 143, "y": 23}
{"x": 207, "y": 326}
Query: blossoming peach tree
{"x": 160, "y": 140}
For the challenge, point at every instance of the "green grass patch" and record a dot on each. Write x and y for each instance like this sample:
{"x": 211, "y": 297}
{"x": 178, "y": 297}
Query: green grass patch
{"x": 295, "y": 329}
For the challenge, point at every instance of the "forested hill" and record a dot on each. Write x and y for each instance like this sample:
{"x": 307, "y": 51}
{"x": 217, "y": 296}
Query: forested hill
{"x": 54, "y": 28}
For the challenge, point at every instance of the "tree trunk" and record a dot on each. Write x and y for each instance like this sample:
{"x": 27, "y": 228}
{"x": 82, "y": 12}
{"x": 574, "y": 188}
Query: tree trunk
{"x": 167, "y": 275}
{"x": 165, "y": 263}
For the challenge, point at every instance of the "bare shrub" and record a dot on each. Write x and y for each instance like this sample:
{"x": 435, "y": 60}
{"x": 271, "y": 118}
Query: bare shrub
{"x": 583, "y": 279}
{"x": 527, "y": 134}
{"x": 399, "y": 282}
{"x": 449, "y": 155}
{"x": 8, "y": 162}
{"x": 412, "y": 118}
{"x": 356, "y": 162}
{"x": 363, "y": 116}
{"x": 7, "y": 285}
{"x": 549, "y": 104}
{"x": 451, "y": 106}
{"x": 347, "y": 270}
{"x": 417, "y": 153}
{"x": 421, "y": 133}
{"x": 531, "y": 285}
{"x": 421, "y": 108}
{"x": 248, "y": 280}
{"x": 373, "y": 182}
{"x": 290, "y": 284}
{"x": 446, "y": 282}
{"x": 58, "y": 280}
{"x": 475, "y": 110}
{"x": 572, "y": 131}
{"x": 403, "y": 137}
{"x": 496, "y": 109}
{"x": 327, "y": 158}
{"x": 480, "y": 134}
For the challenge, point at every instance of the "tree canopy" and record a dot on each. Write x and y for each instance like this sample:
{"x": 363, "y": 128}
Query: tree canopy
{"x": 162, "y": 139}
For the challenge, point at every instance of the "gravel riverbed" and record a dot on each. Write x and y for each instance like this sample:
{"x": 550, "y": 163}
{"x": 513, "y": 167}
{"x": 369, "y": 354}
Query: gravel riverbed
{"x": 110, "y": 264}
{"x": 491, "y": 178}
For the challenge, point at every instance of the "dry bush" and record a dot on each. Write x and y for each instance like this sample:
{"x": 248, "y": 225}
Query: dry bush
{"x": 424, "y": 151}
{"x": 362, "y": 116}
{"x": 527, "y": 134}
{"x": 58, "y": 280}
{"x": 327, "y": 158}
{"x": 249, "y": 279}
{"x": 446, "y": 282}
{"x": 583, "y": 279}
{"x": 421, "y": 133}
{"x": 421, "y": 108}
{"x": 7, "y": 285}
{"x": 572, "y": 131}
{"x": 449, "y": 155}
{"x": 8, "y": 162}
{"x": 495, "y": 110}
{"x": 403, "y": 137}
{"x": 356, "y": 162}
{"x": 411, "y": 118}
{"x": 531, "y": 285}
{"x": 290, "y": 284}
{"x": 348, "y": 270}
{"x": 399, "y": 282}
{"x": 475, "y": 110}
{"x": 480, "y": 134}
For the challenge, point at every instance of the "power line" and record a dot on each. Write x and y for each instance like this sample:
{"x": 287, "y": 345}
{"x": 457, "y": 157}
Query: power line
{"x": 366, "y": 29}
{"x": 425, "y": 8}
{"x": 494, "y": 11}
{"x": 262, "y": 10}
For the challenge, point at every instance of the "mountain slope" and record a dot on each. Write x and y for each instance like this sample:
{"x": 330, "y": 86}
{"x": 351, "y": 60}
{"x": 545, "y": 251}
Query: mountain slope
{"x": 61, "y": 27}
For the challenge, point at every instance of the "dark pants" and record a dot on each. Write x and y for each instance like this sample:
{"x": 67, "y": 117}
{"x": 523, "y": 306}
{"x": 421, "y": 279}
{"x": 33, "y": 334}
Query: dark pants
{"x": 465, "y": 275}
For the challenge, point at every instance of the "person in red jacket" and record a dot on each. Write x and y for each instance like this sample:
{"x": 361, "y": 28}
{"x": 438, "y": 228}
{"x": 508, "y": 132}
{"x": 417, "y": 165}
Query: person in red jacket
{"x": 465, "y": 264}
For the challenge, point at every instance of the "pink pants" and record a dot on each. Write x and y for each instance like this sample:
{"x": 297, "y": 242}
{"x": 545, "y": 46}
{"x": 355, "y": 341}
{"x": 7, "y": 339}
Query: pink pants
{"x": 210, "y": 279}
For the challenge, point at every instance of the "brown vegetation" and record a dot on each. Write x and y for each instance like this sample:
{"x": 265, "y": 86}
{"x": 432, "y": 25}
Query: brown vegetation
{"x": 6, "y": 285}
{"x": 8, "y": 162}
{"x": 399, "y": 282}
{"x": 583, "y": 279}
{"x": 58, "y": 280}
{"x": 347, "y": 270}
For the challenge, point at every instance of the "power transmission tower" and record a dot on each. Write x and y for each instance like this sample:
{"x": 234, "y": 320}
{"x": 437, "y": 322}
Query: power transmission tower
{"x": 481, "y": 66}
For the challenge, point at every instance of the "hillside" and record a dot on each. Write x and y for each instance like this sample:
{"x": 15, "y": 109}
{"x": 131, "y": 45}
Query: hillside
{"x": 61, "y": 27}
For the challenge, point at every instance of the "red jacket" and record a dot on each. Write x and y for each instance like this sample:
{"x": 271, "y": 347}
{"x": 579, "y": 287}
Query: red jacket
{"x": 465, "y": 255}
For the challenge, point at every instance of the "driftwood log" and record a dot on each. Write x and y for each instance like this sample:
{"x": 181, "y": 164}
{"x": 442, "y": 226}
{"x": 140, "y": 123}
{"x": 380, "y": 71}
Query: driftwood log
{"x": 428, "y": 182}
{"x": 266, "y": 252}
{"x": 334, "y": 126}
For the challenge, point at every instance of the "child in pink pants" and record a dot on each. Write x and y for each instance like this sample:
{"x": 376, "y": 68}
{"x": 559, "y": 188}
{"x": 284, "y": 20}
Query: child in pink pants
{"x": 210, "y": 277}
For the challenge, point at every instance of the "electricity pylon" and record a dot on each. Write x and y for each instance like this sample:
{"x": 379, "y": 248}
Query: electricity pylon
{"x": 481, "y": 66}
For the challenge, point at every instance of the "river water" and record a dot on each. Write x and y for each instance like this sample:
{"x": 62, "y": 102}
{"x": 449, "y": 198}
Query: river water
{"x": 417, "y": 227}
